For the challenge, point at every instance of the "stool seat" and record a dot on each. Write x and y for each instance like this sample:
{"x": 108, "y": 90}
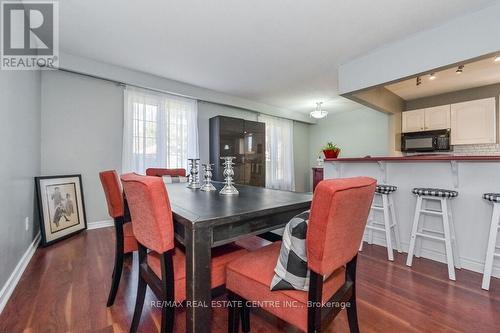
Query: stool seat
{"x": 385, "y": 189}
{"x": 435, "y": 192}
{"x": 494, "y": 197}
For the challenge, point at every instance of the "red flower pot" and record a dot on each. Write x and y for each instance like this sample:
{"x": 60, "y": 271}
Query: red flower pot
{"x": 331, "y": 153}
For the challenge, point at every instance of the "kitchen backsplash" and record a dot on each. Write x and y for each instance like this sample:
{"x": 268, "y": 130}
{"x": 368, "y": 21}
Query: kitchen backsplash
{"x": 479, "y": 149}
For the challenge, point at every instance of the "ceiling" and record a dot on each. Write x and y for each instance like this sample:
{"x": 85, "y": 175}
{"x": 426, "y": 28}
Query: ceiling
{"x": 282, "y": 53}
{"x": 475, "y": 74}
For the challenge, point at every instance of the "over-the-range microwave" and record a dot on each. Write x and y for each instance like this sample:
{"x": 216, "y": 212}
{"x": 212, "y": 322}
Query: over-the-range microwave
{"x": 427, "y": 141}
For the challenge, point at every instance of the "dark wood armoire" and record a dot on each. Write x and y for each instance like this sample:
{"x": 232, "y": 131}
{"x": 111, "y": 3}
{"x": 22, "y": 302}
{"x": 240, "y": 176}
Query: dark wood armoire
{"x": 243, "y": 139}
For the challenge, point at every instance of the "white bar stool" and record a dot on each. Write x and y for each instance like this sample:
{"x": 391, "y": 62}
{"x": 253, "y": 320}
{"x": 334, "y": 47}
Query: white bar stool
{"x": 390, "y": 223}
{"x": 448, "y": 234}
{"x": 492, "y": 241}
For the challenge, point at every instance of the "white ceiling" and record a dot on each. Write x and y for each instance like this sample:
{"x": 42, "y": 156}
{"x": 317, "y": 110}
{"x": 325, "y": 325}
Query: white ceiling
{"x": 476, "y": 74}
{"x": 282, "y": 53}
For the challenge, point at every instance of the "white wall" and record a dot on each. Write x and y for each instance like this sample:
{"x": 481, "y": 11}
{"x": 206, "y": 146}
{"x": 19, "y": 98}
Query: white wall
{"x": 82, "y": 130}
{"x": 20, "y": 162}
{"x": 358, "y": 133}
{"x": 82, "y": 126}
{"x": 466, "y": 37}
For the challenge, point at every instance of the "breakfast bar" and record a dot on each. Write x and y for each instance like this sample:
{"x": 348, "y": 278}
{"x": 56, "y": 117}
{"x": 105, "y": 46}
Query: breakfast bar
{"x": 470, "y": 176}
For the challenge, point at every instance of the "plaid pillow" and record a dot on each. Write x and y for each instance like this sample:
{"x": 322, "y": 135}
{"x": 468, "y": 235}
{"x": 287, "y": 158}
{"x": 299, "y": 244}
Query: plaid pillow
{"x": 291, "y": 270}
{"x": 174, "y": 179}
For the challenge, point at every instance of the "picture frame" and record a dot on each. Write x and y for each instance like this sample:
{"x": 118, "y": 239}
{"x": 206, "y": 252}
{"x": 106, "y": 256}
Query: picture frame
{"x": 61, "y": 207}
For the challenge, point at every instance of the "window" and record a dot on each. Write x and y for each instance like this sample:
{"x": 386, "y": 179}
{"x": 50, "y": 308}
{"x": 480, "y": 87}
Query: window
{"x": 279, "y": 153}
{"x": 160, "y": 130}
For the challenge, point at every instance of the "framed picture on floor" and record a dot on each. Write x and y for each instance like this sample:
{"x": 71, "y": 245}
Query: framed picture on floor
{"x": 61, "y": 207}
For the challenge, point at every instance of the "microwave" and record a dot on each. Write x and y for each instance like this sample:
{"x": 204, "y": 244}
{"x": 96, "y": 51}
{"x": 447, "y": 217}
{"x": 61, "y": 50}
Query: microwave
{"x": 427, "y": 141}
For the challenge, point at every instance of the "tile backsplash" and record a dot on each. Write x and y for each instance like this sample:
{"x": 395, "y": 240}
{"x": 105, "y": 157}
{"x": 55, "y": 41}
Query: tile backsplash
{"x": 479, "y": 149}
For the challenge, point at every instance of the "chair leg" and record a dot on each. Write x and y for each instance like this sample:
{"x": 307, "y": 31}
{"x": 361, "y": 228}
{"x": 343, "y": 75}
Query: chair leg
{"x": 387, "y": 224}
{"x": 245, "y": 317}
{"x": 490, "y": 251}
{"x": 413, "y": 237}
{"x": 352, "y": 315}
{"x": 139, "y": 303}
{"x": 233, "y": 313}
{"x": 117, "y": 270}
{"x": 395, "y": 223}
{"x": 447, "y": 241}
{"x": 421, "y": 225}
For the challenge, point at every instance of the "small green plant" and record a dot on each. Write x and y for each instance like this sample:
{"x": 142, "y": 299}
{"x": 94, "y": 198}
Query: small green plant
{"x": 331, "y": 146}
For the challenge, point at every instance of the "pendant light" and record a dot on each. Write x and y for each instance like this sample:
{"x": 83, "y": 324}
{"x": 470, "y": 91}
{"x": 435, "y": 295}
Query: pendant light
{"x": 318, "y": 113}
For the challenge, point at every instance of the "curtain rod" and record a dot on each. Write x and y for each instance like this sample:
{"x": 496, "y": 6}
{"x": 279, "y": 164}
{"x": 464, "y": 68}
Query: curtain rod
{"x": 123, "y": 84}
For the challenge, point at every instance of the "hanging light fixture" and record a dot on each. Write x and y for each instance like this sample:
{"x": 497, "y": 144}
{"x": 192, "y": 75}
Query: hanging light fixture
{"x": 460, "y": 69}
{"x": 318, "y": 113}
{"x": 497, "y": 59}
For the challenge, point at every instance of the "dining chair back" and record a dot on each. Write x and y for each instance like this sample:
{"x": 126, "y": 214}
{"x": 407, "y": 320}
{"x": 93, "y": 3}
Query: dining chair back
{"x": 160, "y": 172}
{"x": 337, "y": 220}
{"x": 150, "y": 208}
{"x": 125, "y": 240}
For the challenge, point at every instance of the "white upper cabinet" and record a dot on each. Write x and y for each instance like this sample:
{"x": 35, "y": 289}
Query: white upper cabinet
{"x": 434, "y": 118}
{"x": 437, "y": 117}
{"x": 413, "y": 121}
{"x": 473, "y": 122}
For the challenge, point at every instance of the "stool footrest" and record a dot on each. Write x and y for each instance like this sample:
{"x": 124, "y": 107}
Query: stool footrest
{"x": 432, "y": 212}
{"x": 377, "y": 208}
{"x": 429, "y": 236}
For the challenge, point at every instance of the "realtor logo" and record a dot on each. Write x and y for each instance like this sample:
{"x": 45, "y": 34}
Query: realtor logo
{"x": 29, "y": 35}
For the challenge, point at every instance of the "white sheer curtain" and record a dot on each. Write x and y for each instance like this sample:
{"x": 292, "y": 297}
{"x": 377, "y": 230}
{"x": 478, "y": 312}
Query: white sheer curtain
{"x": 159, "y": 130}
{"x": 279, "y": 153}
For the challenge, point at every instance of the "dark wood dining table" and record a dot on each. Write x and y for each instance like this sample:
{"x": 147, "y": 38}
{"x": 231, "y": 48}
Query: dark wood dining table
{"x": 203, "y": 220}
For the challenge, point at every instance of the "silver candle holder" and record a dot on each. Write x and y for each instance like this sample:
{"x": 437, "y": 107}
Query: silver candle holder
{"x": 207, "y": 184}
{"x": 228, "y": 188}
{"x": 194, "y": 180}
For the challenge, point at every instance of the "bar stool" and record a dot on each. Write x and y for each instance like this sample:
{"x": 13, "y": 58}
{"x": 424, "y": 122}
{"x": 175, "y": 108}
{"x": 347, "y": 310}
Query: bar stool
{"x": 492, "y": 241}
{"x": 390, "y": 223}
{"x": 448, "y": 234}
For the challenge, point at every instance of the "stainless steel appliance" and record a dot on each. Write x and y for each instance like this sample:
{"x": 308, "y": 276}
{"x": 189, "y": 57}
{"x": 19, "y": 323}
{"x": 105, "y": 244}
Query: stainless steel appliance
{"x": 426, "y": 141}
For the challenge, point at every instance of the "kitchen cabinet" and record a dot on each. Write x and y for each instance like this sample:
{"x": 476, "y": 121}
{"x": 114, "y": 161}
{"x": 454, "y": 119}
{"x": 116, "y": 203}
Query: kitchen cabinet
{"x": 428, "y": 119}
{"x": 413, "y": 121}
{"x": 473, "y": 122}
{"x": 437, "y": 117}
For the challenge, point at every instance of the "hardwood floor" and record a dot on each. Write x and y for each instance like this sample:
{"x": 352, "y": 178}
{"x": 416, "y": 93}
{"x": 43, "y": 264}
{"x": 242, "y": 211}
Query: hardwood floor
{"x": 65, "y": 287}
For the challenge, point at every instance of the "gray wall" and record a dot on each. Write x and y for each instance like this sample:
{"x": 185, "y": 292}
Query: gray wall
{"x": 82, "y": 126}
{"x": 82, "y": 129}
{"x": 20, "y": 148}
{"x": 358, "y": 133}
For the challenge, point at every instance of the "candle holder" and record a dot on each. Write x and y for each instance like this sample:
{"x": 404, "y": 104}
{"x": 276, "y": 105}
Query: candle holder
{"x": 228, "y": 188}
{"x": 207, "y": 185}
{"x": 194, "y": 180}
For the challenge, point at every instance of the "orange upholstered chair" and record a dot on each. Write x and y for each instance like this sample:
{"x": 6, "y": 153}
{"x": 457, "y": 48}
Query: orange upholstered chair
{"x": 125, "y": 240}
{"x": 163, "y": 266}
{"x": 338, "y": 216}
{"x": 159, "y": 172}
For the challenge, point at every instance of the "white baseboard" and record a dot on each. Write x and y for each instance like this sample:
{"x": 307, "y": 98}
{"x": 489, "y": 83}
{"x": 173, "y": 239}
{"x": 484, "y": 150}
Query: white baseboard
{"x": 100, "y": 224}
{"x": 467, "y": 263}
{"x": 14, "y": 278}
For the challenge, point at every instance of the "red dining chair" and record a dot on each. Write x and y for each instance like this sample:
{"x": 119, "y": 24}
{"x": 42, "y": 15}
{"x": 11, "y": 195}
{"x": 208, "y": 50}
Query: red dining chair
{"x": 160, "y": 172}
{"x": 163, "y": 268}
{"x": 337, "y": 220}
{"x": 125, "y": 240}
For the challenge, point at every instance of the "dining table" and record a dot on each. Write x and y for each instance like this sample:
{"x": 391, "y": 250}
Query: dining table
{"x": 204, "y": 220}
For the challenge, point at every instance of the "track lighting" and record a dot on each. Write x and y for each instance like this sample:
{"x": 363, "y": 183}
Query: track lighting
{"x": 319, "y": 113}
{"x": 497, "y": 59}
{"x": 432, "y": 76}
{"x": 419, "y": 81}
{"x": 460, "y": 69}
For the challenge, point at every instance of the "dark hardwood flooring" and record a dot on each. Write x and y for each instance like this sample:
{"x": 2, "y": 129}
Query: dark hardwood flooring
{"x": 65, "y": 286}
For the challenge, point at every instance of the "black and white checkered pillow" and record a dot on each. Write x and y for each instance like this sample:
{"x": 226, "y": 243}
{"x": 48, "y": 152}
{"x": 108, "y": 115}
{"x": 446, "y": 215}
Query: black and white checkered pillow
{"x": 174, "y": 179}
{"x": 435, "y": 192}
{"x": 291, "y": 270}
{"x": 385, "y": 189}
{"x": 494, "y": 197}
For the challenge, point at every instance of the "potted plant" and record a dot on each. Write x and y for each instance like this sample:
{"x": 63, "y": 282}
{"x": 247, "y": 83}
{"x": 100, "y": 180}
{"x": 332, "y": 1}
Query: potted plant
{"x": 331, "y": 150}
